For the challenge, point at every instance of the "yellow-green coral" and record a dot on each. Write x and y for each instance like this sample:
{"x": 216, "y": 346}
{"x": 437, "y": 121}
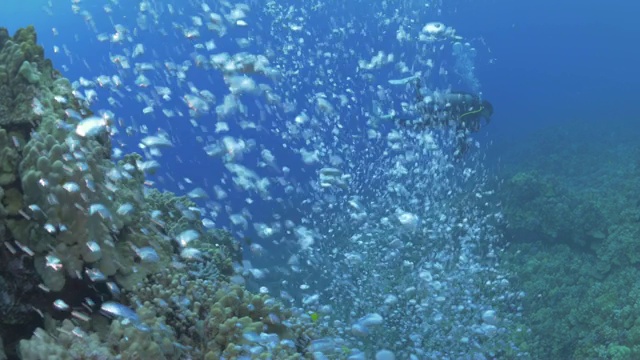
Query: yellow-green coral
{"x": 211, "y": 317}
{"x": 115, "y": 341}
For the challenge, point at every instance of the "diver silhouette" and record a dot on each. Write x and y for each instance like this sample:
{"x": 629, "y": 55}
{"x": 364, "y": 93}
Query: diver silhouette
{"x": 461, "y": 110}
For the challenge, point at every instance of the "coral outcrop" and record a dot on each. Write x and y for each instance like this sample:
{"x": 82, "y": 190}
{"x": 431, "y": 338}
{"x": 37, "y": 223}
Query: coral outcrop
{"x": 91, "y": 263}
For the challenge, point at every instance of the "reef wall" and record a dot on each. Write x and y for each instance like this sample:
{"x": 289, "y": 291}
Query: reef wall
{"x": 92, "y": 263}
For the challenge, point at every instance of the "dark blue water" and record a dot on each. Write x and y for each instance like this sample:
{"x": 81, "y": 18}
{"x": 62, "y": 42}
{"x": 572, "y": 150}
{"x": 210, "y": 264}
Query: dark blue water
{"x": 540, "y": 64}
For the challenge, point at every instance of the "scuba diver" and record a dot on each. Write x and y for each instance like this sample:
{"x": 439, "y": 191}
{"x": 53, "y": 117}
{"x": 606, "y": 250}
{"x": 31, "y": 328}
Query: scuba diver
{"x": 461, "y": 110}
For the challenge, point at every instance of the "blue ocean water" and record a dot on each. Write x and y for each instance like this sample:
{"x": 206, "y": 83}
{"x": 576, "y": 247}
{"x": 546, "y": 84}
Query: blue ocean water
{"x": 536, "y": 59}
{"x": 541, "y": 64}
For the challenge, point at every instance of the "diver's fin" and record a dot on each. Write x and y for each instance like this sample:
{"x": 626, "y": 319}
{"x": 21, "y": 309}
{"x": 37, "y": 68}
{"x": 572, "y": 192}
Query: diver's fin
{"x": 378, "y": 114}
{"x": 406, "y": 80}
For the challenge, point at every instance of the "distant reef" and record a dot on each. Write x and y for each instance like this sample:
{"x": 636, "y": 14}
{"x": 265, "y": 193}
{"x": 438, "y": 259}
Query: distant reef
{"x": 572, "y": 214}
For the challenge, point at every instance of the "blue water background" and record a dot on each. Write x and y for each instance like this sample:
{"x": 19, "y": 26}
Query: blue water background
{"x": 540, "y": 63}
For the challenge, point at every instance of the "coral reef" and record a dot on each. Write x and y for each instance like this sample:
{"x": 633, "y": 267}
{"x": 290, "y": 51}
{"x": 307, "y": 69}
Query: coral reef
{"x": 59, "y": 200}
{"x": 180, "y": 316}
{"x": 213, "y": 319}
{"x": 95, "y": 266}
{"x": 573, "y": 214}
{"x": 23, "y": 68}
{"x": 542, "y": 207}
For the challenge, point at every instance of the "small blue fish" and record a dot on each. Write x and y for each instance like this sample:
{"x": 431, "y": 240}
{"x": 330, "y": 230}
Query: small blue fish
{"x": 117, "y": 310}
{"x": 148, "y": 254}
{"x": 125, "y": 209}
{"x": 92, "y": 126}
{"x": 187, "y": 236}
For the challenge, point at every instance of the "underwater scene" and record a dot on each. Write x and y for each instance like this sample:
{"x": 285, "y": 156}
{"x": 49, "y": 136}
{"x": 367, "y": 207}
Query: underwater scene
{"x": 319, "y": 179}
